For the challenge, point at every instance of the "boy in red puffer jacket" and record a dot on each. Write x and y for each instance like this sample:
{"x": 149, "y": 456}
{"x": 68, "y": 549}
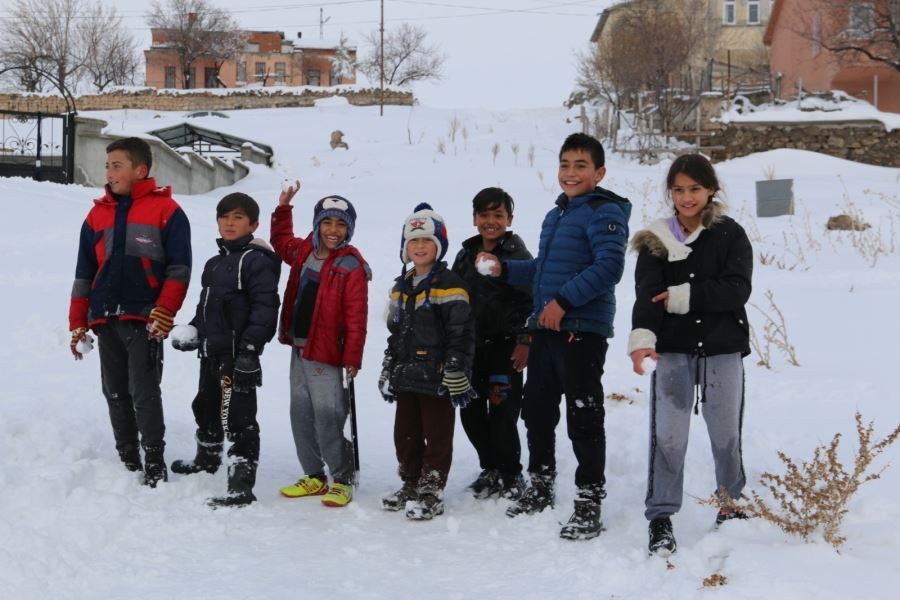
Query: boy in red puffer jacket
{"x": 323, "y": 319}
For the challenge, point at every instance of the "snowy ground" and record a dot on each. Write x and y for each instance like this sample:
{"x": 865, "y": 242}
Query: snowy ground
{"x": 75, "y": 524}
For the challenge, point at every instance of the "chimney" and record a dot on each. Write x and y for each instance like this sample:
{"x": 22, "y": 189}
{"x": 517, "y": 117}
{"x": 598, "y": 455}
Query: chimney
{"x": 299, "y": 34}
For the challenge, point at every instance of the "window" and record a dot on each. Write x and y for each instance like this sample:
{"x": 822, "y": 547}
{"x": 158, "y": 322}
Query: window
{"x": 334, "y": 79}
{"x": 753, "y": 12}
{"x": 210, "y": 75}
{"x": 279, "y": 73}
{"x": 728, "y": 12}
{"x": 313, "y": 77}
{"x": 192, "y": 78}
{"x": 170, "y": 77}
{"x": 260, "y": 72}
{"x": 242, "y": 72}
{"x": 861, "y": 20}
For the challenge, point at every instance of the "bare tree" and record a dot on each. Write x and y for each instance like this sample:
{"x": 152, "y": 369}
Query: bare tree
{"x": 854, "y": 31}
{"x": 407, "y": 56}
{"x": 110, "y": 51}
{"x": 195, "y": 29}
{"x": 647, "y": 54}
{"x": 43, "y": 34}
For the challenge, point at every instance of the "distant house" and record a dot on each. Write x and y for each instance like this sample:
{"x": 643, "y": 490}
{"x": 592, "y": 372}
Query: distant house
{"x": 733, "y": 58}
{"x": 268, "y": 59}
{"x": 795, "y": 34}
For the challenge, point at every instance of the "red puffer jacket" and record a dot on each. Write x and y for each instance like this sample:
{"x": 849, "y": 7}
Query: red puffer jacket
{"x": 337, "y": 332}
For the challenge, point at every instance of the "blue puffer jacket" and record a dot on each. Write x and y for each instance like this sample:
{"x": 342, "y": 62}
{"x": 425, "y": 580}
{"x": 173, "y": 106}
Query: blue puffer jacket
{"x": 580, "y": 260}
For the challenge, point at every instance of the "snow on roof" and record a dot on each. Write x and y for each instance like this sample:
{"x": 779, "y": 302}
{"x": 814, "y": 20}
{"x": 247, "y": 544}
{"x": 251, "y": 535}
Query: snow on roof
{"x": 303, "y": 43}
{"x": 840, "y": 107}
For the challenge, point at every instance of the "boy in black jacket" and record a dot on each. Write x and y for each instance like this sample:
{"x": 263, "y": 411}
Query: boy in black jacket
{"x": 501, "y": 348}
{"x": 236, "y": 316}
{"x": 427, "y": 364}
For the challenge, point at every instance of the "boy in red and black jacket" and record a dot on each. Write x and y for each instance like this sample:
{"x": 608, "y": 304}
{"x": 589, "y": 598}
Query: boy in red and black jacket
{"x": 133, "y": 269}
{"x": 323, "y": 319}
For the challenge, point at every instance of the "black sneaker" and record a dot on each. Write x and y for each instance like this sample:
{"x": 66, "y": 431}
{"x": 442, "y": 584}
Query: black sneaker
{"x": 486, "y": 484}
{"x": 662, "y": 540}
{"x": 397, "y": 500}
{"x": 512, "y": 486}
{"x": 538, "y": 496}
{"x": 232, "y": 501}
{"x": 726, "y": 514}
{"x": 584, "y": 524}
{"x": 425, "y": 508}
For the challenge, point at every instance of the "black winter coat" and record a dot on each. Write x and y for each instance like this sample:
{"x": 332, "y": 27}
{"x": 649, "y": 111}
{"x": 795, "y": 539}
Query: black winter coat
{"x": 500, "y": 309}
{"x": 708, "y": 279}
{"x": 433, "y": 329}
{"x": 239, "y": 302}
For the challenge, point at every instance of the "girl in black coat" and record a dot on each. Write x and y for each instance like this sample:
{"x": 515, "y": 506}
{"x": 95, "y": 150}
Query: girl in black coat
{"x": 692, "y": 282}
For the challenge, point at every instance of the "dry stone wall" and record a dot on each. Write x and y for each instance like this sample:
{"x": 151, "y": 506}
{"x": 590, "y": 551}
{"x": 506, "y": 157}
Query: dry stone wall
{"x": 861, "y": 141}
{"x": 164, "y": 100}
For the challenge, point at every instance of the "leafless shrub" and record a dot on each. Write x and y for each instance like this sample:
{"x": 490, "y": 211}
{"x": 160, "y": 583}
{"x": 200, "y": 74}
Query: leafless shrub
{"x": 814, "y": 494}
{"x": 441, "y": 146}
{"x": 763, "y": 352}
{"x": 515, "y": 150}
{"x": 775, "y": 332}
{"x": 455, "y": 126}
{"x": 495, "y": 150}
{"x": 531, "y": 155}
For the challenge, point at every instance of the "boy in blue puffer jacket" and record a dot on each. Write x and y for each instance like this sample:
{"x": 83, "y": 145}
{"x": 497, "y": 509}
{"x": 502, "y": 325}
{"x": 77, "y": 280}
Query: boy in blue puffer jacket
{"x": 581, "y": 257}
{"x": 236, "y": 316}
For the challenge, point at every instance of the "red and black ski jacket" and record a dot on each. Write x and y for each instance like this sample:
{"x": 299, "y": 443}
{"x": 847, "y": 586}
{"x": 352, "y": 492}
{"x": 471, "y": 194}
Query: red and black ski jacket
{"x": 134, "y": 253}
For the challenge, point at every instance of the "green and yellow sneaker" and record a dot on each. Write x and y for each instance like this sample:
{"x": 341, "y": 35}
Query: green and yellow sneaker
{"x": 308, "y": 486}
{"x": 339, "y": 495}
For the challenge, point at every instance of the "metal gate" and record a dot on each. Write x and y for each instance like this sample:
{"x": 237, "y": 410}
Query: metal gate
{"x": 37, "y": 145}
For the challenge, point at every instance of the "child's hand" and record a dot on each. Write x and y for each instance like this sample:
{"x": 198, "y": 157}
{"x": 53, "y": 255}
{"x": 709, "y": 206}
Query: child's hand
{"x": 662, "y": 297}
{"x": 520, "y": 357}
{"x": 485, "y": 261}
{"x": 351, "y": 371}
{"x": 288, "y": 190}
{"x": 638, "y": 356}
{"x": 551, "y": 316}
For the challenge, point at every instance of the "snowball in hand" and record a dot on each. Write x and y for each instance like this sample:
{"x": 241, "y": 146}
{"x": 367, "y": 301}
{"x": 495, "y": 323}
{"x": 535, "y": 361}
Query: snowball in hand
{"x": 485, "y": 265}
{"x": 287, "y": 186}
{"x": 85, "y": 345}
{"x": 648, "y": 364}
{"x": 183, "y": 334}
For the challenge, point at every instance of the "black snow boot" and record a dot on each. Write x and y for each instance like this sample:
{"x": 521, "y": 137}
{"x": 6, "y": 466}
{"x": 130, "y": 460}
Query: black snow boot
{"x": 397, "y": 500}
{"x": 726, "y": 514}
{"x": 428, "y": 506}
{"x": 131, "y": 458}
{"x": 585, "y": 524}
{"x": 208, "y": 458}
{"x": 538, "y": 496}
{"x": 154, "y": 465}
{"x": 241, "y": 479}
{"x": 512, "y": 486}
{"x": 486, "y": 484}
{"x": 662, "y": 539}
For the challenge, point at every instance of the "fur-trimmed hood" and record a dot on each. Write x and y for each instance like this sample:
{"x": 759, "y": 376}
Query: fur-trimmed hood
{"x": 661, "y": 243}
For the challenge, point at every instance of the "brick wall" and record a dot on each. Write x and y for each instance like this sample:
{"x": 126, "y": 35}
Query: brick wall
{"x": 152, "y": 99}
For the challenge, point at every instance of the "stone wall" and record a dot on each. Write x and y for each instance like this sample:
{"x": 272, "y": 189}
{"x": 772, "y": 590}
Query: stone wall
{"x": 165, "y": 100}
{"x": 861, "y": 141}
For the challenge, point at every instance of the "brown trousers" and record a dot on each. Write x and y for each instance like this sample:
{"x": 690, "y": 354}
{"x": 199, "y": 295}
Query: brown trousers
{"x": 423, "y": 438}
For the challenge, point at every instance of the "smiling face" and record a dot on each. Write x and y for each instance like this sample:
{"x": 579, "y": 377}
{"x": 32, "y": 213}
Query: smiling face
{"x": 689, "y": 197}
{"x": 492, "y": 224}
{"x": 577, "y": 173}
{"x": 422, "y": 252}
{"x": 235, "y": 224}
{"x": 332, "y": 233}
{"x": 121, "y": 173}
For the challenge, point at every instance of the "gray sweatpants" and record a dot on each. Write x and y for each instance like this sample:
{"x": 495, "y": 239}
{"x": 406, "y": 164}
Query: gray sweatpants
{"x": 318, "y": 413}
{"x": 720, "y": 378}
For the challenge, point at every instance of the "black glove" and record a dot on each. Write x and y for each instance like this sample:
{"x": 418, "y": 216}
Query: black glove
{"x": 247, "y": 371}
{"x": 456, "y": 384}
{"x": 384, "y": 380}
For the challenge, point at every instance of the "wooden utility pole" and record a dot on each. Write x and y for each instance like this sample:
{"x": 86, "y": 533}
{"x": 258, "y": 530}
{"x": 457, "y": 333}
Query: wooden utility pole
{"x": 381, "y": 101}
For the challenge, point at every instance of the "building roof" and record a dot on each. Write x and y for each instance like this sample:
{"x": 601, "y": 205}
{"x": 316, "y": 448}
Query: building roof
{"x": 305, "y": 44}
{"x": 604, "y": 16}
{"x": 185, "y": 134}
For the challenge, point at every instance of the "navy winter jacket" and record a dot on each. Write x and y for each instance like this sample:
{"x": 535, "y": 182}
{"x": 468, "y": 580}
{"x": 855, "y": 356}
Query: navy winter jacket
{"x": 239, "y": 302}
{"x": 581, "y": 258}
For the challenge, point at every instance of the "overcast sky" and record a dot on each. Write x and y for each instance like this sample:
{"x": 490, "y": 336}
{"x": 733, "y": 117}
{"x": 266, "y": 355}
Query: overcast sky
{"x": 500, "y": 53}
